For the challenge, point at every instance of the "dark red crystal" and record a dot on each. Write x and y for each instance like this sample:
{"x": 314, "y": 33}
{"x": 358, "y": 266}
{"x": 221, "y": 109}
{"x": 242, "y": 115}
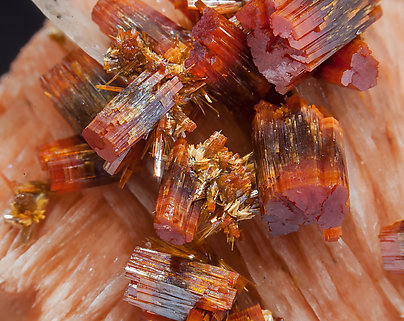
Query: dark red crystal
{"x": 300, "y": 167}
{"x": 352, "y": 66}
{"x": 297, "y": 36}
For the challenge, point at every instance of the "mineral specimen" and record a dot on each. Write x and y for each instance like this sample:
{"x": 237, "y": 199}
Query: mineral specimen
{"x": 72, "y": 86}
{"x": 72, "y": 165}
{"x": 170, "y": 286}
{"x": 131, "y": 115}
{"x": 291, "y": 38}
{"x": 352, "y": 66}
{"x": 208, "y": 183}
{"x": 392, "y": 247}
{"x": 300, "y": 167}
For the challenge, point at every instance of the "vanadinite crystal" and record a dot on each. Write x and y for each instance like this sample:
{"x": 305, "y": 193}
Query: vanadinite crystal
{"x": 131, "y": 115}
{"x": 206, "y": 186}
{"x": 112, "y": 15}
{"x": 72, "y": 165}
{"x": 221, "y": 58}
{"x": 171, "y": 286}
{"x": 392, "y": 247}
{"x": 72, "y": 86}
{"x": 289, "y": 38}
{"x": 300, "y": 167}
{"x": 352, "y": 66}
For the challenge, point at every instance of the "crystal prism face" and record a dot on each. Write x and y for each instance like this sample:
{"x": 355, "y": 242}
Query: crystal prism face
{"x": 205, "y": 188}
{"x": 392, "y": 247}
{"x": 291, "y": 38}
{"x": 175, "y": 220}
{"x": 300, "y": 166}
{"x": 353, "y": 66}
{"x": 72, "y": 86}
{"x": 111, "y": 15}
{"x": 131, "y": 115}
{"x": 29, "y": 204}
{"x": 170, "y": 286}
{"x": 220, "y": 56}
{"x": 72, "y": 165}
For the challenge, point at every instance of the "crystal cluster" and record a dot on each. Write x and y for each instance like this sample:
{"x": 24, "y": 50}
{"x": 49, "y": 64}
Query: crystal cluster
{"x": 148, "y": 51}
{"x": 72, "y": 165}
{"x": 29, "y": 204}
{"x": 352, "y": 66}
{"x": 170, "y": 285}
{"x": 207, "y": 183}
{"x": 392, "y": 247}
{"x": 72, "y": 86}
{"x": 300, "y": 167}
{"x": 290, "y": 38}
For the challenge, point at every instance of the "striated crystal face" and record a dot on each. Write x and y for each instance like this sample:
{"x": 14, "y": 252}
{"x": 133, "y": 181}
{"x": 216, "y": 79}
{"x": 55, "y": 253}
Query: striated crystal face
{"x": 170, "y": 286}
{"x": 72, "y": 86}
{"x": 392, "y": 247}
{"x": 292, "y": 37}
{"x": 206, "y": 186}
{"x": 176, "y": 219}
{"x": 300, "y": 166}
{"x": 220, "y": 57}
{"x": 72, "y": 165}
{"x": 131, "y": 115}
{"x": 352, "y": 66}
{"x": 111, "y": 15}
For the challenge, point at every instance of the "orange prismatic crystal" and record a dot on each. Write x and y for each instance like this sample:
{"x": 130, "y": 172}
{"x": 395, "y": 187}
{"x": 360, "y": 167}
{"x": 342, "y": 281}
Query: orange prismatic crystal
{"x": 174, "y": 217}
{"x": 205, "y": 186}
{"x": 300, "y": 167}
{"x": 72, "y": 86}
{"x": 292, "y": 37}
{"x": 392, "y": 247}
{"x": 352, "y": 66}
{"x": 72, "y": 165}
{"x": 131, "y": 115}
{"x": 170, "y": 286}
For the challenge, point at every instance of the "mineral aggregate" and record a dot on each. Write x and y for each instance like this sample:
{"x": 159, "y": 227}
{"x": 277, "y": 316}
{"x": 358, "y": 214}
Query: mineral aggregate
{"x": 309, "y": 280}
{"x": 290, "y": 38}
